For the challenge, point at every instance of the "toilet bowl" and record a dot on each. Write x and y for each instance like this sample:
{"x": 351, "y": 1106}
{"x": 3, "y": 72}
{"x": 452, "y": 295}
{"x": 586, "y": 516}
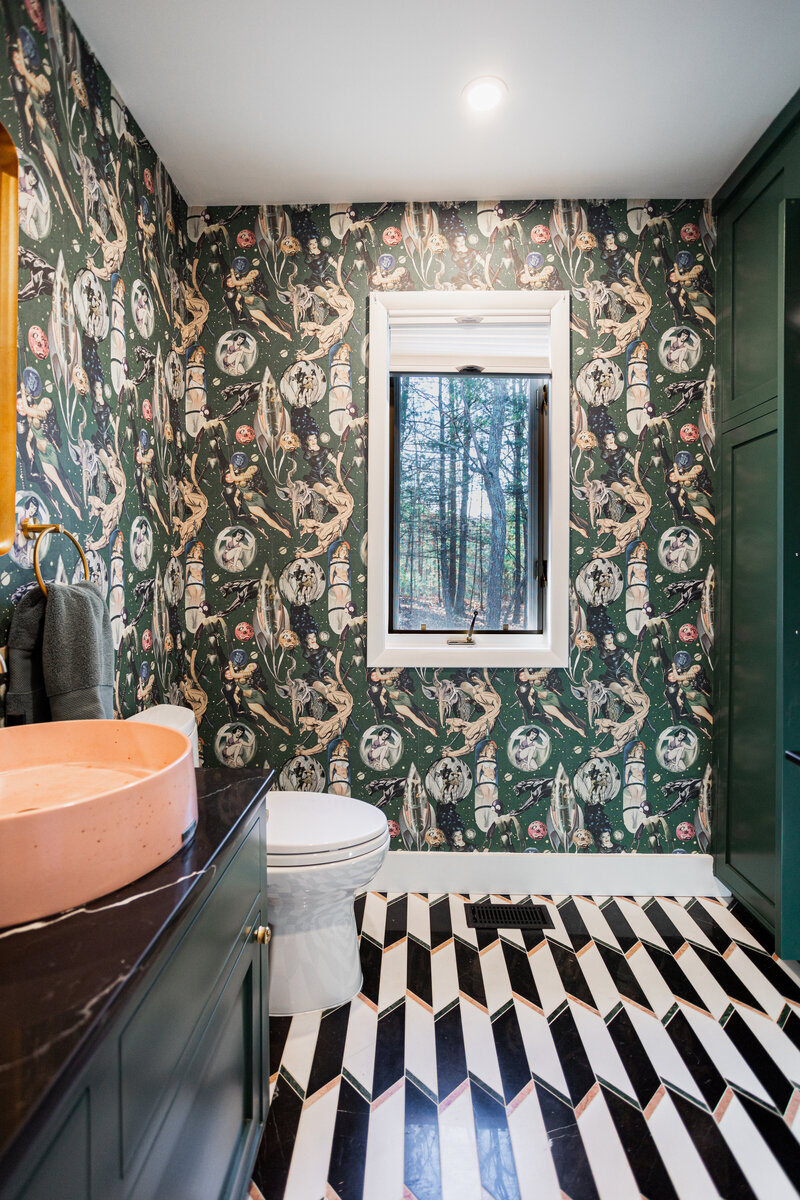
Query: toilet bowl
{"x": 173, "y": 717}
{"x": 321, "y": 849}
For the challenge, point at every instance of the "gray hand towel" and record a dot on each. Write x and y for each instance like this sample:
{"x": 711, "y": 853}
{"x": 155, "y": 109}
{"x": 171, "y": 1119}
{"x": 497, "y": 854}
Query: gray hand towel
{"x": 78, "y": 652}
{"x": 26, "y": 698}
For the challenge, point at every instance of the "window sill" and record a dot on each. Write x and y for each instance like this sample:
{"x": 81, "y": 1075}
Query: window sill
{"x": 431, "y": 650}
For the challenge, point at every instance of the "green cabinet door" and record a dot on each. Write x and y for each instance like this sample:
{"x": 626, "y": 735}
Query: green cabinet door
{"x": 787, "y": 926}
{"x": 220, "y": 1096}
{"x": 755, "y": 302}
{"x": 747, "y": 664}
{"x": 64, "y": 1170}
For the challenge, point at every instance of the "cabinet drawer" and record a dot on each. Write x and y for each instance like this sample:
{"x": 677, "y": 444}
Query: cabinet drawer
{"x": 155, "y": 1039}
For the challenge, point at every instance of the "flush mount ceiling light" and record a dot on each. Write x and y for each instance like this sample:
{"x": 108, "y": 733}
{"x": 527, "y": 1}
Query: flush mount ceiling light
{"x": 484, "y": 93}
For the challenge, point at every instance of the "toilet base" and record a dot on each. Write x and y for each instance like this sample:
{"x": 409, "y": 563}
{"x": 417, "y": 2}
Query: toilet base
{"x": 317, "y": 965}
{"x": 314, "y": 960}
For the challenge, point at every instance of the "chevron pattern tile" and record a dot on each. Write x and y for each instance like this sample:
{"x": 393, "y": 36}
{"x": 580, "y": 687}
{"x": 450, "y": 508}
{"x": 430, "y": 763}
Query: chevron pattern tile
{"x": 640, "y": 1048}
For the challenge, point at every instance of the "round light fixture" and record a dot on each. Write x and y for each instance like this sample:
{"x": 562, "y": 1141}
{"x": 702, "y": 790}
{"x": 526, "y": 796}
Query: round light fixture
{"x": 485, "y": 93}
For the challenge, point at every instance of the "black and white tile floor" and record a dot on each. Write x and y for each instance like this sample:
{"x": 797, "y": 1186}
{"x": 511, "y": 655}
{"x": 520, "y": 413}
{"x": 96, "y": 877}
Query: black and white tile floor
{"x": 641, "y": 1048}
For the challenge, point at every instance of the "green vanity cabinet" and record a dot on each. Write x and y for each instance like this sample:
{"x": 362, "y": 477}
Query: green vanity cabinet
{"x": 171, "y": 1102}
{"x": 757, "y": 636}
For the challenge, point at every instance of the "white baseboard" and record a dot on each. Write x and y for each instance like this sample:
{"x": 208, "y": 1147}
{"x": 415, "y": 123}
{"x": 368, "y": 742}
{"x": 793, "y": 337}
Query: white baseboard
{"x": 550, "y": 874}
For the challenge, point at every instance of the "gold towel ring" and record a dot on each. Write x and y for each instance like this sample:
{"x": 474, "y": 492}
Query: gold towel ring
{"x": 33, "y": 529}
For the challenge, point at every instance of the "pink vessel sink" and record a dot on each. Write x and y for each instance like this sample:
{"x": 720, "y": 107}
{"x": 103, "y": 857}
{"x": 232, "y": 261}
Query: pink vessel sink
{"x": 86, "y": 807}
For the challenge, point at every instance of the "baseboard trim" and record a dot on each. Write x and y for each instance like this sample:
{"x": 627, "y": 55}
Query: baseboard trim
{"x": 550, "y": 874}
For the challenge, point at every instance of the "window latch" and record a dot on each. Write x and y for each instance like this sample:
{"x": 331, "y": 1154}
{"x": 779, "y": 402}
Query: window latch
{"x": 469, "y": 640}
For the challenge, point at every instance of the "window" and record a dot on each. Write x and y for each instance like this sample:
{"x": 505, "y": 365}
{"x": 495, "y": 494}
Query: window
{"x": 468, "y": 479}
{"x": 466, "y": 502}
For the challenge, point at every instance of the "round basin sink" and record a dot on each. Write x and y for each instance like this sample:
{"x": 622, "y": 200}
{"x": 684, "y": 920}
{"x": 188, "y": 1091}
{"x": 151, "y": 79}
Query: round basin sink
{"x": 87, "y": 807}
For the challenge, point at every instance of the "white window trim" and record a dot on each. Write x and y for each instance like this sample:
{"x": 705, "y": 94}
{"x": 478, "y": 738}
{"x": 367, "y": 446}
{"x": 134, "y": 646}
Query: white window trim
{"x": 551, "y": 647}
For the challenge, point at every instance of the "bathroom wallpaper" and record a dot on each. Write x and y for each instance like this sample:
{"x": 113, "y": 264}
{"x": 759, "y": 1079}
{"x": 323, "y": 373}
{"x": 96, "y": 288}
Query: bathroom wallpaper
{"x": 102, "y": 292}
{"x": 611, "y": 753}
{"x": 192, "y": 404}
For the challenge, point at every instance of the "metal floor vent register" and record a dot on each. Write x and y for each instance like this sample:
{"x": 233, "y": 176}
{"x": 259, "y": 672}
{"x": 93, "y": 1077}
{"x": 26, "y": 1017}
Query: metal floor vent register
{"x": 508, "y": 916}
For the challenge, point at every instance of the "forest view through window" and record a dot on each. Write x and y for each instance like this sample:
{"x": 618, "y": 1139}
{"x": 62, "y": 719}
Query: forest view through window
{"x": 467, "y": 503}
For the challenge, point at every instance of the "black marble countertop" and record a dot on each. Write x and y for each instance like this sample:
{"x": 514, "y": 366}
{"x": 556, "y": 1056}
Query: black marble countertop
{"x": 63, "y": 978}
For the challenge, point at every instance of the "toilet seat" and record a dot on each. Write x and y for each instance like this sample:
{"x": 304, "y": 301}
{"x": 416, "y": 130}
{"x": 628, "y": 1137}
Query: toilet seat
{"x": 321, "y": 858}
{"x": 316, "y": 828}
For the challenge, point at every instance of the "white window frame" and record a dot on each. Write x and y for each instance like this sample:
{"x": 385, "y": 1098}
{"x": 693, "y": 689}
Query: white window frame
{"x": 550, "y": 648}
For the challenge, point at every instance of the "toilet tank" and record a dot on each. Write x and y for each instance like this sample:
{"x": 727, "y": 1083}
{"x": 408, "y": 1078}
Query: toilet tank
{"x": 173, "y": 717}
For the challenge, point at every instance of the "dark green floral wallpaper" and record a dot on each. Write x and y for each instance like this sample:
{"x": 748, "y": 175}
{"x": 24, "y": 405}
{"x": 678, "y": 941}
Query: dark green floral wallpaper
{"x": 192, "y": 403}
{"x": 610, "y": 754}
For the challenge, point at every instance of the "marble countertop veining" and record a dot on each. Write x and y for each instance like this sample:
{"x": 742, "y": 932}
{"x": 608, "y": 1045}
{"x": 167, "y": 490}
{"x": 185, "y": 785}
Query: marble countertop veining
{"x": 63, "y": 977}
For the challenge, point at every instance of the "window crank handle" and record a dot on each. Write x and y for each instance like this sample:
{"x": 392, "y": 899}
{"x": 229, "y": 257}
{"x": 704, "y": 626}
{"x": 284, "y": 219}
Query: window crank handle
{"x": 469, "y": 639}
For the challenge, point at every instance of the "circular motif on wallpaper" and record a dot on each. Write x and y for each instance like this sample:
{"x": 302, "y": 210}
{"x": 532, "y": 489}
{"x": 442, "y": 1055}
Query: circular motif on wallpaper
{"x": 680, "y": 349}
{"x": 679, "y": 549}
{"x": 597, "y": 781}
{"x": 119, "y": 113}
{"x": 236, "y": 352}
{"x": 235, "y": 548}
{"x": 380, "y": 747}
{"x": 32, "y": 383}
{"x": 303, "y": 383}
{"x": 35, "y": 213}
{"x": 195, "y": 222}
{"x": 142, "y": 310}
{"x": 599, "y": 382}
{"x": 449, "y": 780}
{"x": 91, "y": 304}
{"x": 677, "y": 748}
{"x": 173, "y": 582}
{"x": 529, "y": 747}
{"x": 28, "y": 507}
{"x": 141, "y": 543}
{"x": 235, "y": 744}
{"x": 302, "y": 774}
{"x": 98, "y": 572}
{"x": 302, "y": 581}
{"x": 175, "y": 375}
{"x": 599, "y": 582}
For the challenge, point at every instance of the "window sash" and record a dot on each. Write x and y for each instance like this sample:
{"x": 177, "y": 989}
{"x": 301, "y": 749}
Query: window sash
{"x": 536, "y": 496}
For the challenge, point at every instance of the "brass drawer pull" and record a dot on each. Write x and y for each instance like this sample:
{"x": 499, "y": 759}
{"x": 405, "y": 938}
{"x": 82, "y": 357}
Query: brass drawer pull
{"x": 263, "y": 935}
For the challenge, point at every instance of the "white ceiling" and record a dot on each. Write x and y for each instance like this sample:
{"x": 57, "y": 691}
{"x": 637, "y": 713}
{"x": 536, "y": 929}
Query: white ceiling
{"x": 290, "y": 101}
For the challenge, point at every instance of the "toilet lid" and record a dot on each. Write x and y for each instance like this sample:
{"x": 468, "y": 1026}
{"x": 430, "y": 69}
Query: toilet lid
{"x": 320, "y": 824}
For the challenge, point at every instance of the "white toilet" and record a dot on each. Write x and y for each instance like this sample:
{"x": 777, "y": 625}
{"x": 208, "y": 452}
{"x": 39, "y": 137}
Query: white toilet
{"x": 321, "y": 849}
{"x": 173, "y": 717}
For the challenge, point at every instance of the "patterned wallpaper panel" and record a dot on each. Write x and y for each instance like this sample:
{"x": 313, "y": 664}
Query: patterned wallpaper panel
{"x": 609, "y": 754}
{"x": 192, "y": 403}
{"x": 100, "y": 443}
